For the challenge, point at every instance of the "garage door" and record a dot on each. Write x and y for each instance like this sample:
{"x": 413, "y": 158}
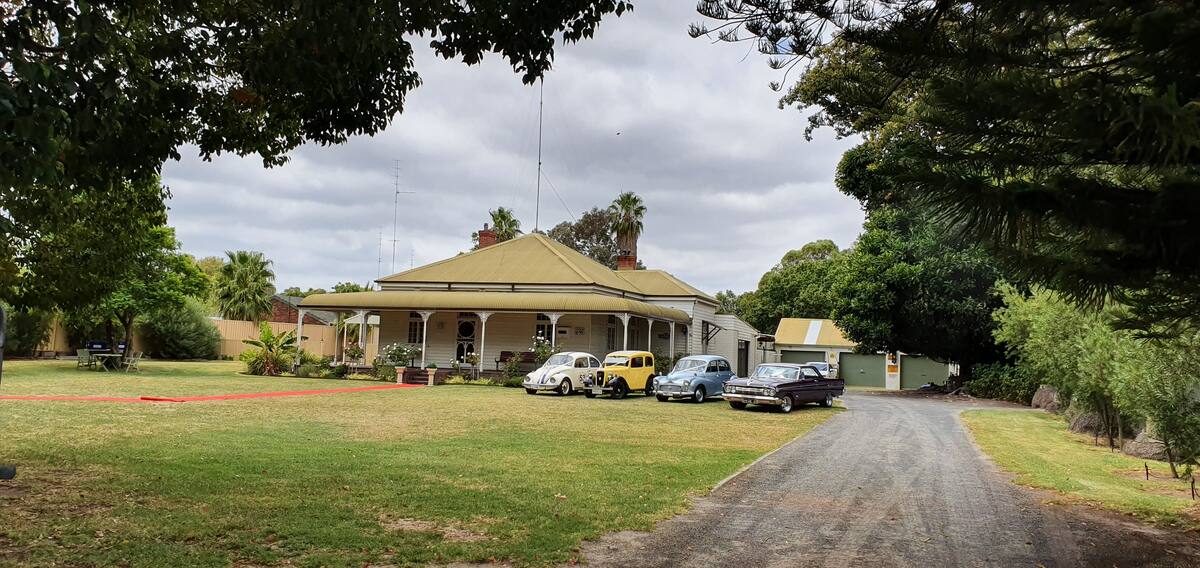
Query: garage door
{"x": 917, "y": 371}
{"x": 802, "y": 356}
{"x": 861, "y": 370}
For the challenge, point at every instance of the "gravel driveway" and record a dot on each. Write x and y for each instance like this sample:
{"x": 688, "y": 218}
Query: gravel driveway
{"x": 895, "y": 481}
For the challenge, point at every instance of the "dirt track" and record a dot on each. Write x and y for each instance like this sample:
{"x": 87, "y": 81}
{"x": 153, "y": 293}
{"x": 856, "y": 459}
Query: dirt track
{"x": 896, "y": 481}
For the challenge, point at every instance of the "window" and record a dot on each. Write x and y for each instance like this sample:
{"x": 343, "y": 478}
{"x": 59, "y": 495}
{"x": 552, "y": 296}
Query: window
{"x": 637, "y": 362}
{"x": 810, "y": 373}
{"x": 416, "y": 328}
{"x": 723, "y": 365}
{"x": 581, "y": 363}
{"x": 594, "y": 362}
{"x": 612, "y": 338}
{"x": 542, "y": 327}
{"x": 713, "y": 367}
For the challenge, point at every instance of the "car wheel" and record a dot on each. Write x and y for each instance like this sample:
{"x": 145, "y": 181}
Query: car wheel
{"x": 737, "y": 405}
{"x": 650, "y": 386}
{"x": 699, "y": 395}
{"x": 589, "y": 394}
{"x": 564, "y": 388}
{"x": 786, "y": 407}
{"x": 828, "y": 402}
{"x": 530, "y": 391}
{"x": 619, "y": 390}
{"x": 662, "y": 398}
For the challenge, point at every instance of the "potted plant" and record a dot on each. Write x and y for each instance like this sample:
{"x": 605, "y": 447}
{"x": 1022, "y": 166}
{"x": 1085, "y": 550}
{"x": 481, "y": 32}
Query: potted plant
{"x": 353, "y": 352}
{"x": 432, "y": 370}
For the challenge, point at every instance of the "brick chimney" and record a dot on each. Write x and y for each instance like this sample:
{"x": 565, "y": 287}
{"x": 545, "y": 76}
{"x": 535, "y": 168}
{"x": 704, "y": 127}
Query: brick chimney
{"x": 487, "y": 237}
{"x": 626, "y": 262}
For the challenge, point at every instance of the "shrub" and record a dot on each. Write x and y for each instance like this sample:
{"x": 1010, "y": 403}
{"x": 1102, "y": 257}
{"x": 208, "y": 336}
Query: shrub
{"x": 512, "y": 382}
{"x": 512, "y": 369}
{"x": 272, "y": 354}
{"x": 1163, "y": 384}
{"x": 27, "y": 330}
{"x": 340, "y": 371}
{"x": 663, "y": 363}
{"x": 183, "y": 333}
{"x": 542, "y": 349}
{"x": 1003, "y": 382}
{"x": 397, "y": 355}
{"x": 311, "y": 371}
{"x": 354, "y": 352}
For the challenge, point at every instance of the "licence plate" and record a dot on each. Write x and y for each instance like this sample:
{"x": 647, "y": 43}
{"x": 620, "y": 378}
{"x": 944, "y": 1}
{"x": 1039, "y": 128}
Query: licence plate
{"x": 597, "y": 390}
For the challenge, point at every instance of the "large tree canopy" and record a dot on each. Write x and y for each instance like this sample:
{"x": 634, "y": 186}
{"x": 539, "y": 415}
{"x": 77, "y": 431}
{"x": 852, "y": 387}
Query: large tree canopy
{"x": 800, "y": 286}
{"x": 1065, "y": 134}
{"x": 89, "y": 88}
{"x": 907, "y": 285}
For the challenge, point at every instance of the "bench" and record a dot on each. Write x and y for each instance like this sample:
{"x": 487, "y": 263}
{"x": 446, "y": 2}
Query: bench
{"x": 526, "y": 357}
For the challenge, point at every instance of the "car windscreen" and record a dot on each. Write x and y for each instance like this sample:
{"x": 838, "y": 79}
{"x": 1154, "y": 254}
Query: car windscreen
{"x": 560, "y": 359}
{"x": 775, "y": 372}
{"x": 616, "y": 361}
{"x": 690, "y": 365}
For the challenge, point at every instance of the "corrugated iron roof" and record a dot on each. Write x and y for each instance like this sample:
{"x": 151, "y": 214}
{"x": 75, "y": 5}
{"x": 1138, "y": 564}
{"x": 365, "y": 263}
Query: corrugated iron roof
{"x": 420, "y": 300}
{"x": 806, "y": 331}
{"x": 528, "y": 259}
{"x": 660, "y": 283}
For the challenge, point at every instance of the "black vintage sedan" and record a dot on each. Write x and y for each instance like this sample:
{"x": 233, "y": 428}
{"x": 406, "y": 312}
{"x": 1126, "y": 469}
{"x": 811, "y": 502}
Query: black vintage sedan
{"x": 783, "y": 385}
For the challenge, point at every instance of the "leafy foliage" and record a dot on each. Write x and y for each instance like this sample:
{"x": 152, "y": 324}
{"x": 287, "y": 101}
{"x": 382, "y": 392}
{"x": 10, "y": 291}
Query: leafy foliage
{"x": 1107, "y": 370}
{"x": 799, "y": 286}
{"x": 907, "y": 285}
{"x": 295, "y": 291}
{"x": 26, "y": 330}
{"x": 244, "y": 288}
{"x": 1064, "y": 135}
{"x": 181, "y": 332}
{"x": 592, "y": 235}
{"x": 272, "y": 352}
{"x": 628, "y": 211}
{"x": 1002, "y": 381}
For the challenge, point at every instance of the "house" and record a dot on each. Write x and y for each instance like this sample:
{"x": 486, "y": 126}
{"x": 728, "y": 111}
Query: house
{"x": 285, "y": 309}
{"x": 803, "y": 340}
{"x": 497, "y": 298}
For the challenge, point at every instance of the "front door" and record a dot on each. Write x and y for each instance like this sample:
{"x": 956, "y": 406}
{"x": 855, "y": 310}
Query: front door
{"x": 466, "y": 334}
{"x": 743, "y": 364}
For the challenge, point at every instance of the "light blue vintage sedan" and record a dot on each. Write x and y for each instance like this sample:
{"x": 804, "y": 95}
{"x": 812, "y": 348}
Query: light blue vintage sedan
{"x": 696, "y": 377}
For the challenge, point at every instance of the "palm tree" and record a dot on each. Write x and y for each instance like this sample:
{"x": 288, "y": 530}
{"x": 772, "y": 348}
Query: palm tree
{"x": 244, "y": 286}
{"x": 628, "y": 210}
{"x": 274, "y": 352}
{"x": 505, "y": 224}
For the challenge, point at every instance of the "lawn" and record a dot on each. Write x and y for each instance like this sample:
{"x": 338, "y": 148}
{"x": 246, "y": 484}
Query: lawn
{"x": 409, "y": 476}
{"x": 1043, "y": 453}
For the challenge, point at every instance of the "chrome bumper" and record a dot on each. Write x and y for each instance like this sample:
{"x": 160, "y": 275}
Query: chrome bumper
{"x": 680, "y": 393}
{"x": 540, "y": 386}
{"x": 752, "y": 399}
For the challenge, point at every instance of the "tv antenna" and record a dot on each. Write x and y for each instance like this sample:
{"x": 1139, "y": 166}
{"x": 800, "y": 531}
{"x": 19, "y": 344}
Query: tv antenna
{"x": 396, "y": 207}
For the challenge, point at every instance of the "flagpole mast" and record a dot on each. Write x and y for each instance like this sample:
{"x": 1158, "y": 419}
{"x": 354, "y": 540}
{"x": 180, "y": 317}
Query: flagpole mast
{"x": 537, "y": 208}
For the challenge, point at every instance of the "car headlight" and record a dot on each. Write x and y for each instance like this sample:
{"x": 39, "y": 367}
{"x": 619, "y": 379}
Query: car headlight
{"x": 771, "y": 391}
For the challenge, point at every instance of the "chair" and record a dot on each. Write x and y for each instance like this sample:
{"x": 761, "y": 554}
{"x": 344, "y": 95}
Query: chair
{"x": 84, "y": 359}
{"x": 131, "y": 363}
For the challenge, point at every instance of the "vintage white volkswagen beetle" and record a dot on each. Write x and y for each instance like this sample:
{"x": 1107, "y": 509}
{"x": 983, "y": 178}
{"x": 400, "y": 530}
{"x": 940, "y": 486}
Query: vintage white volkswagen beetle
{"x": 562, "y": 373}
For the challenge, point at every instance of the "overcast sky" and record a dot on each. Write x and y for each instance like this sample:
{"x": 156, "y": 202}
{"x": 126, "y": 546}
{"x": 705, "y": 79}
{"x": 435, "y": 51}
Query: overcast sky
{"x": 729, "y": 181}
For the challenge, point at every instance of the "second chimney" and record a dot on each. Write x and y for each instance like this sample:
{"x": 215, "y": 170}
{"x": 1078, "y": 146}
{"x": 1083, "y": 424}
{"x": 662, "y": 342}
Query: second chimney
{"x": 487, "y": 237}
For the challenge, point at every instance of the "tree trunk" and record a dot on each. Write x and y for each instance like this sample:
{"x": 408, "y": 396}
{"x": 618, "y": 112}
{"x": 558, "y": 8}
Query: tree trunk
{"x": 1170, "y": 456}
{"x": 110, "y": 335}
{"x": 127, "y": 322}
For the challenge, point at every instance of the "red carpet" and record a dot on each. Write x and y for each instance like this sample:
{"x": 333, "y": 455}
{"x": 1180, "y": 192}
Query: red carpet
{"x": 205, "y": 398}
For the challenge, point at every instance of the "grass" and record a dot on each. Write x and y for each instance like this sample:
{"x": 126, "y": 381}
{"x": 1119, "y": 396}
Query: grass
{"x": 404, "y": 477}
{"x": 1043, "y": 453}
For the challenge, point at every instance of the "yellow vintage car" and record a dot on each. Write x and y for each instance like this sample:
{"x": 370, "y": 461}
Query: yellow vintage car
{"x": 621, "y": 373}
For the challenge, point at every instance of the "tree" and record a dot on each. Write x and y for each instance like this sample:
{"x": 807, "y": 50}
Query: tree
{"x": 296, "y": 291}
{"x": 96, "y": 96}
{"x": 211, "y": 266}
{"x": 272, "y": 353}
{"x": 245, "y": 287}
{"x": 234, "y": 77}
{"x": 348, "y": 287}
{"x": 907, "y": 285}
{"x": 628, "y": 210}
{"x": 1064, "y": 135}
{"x": 799, "y": 286}
{"x": 506, "y": 225}
{"x": 727, "y": 302}
{"x": 68, "y": 246}
{"x": 181, "y": 332}
{"x": 592, "y": 235}
{"x": 159, "y": 278}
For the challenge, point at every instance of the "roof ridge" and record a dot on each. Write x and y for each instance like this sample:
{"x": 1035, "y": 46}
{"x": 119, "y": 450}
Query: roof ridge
{"x": 455, "y": 257}
{"x": 543, "y": 240}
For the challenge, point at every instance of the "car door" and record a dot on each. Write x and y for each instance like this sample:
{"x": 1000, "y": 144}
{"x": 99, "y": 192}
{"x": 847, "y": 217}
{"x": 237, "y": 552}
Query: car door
{"x": 580, "y": 371}
{"x": 811, "y": 386}
{"x": 724, "y": 373}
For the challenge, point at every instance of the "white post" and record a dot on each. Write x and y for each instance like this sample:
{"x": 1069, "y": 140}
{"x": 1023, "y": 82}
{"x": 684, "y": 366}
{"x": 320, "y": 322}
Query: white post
{"x": 649, "y": 334}
{"x": 424, "y": 334}
{"x": 300, "y": 329}
{"x": 553, "y": 328}
{"x": 624, "y": 331}
{"x": 362, "y": 333}
{"x": 483, "y": 317}
{"x": 671, "y": 353}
